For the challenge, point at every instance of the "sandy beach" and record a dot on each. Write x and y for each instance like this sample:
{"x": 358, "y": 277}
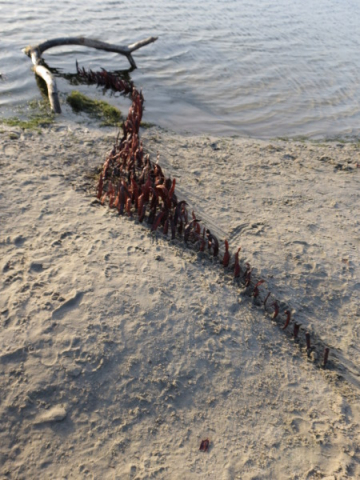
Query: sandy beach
{"x": 122, "y": 350}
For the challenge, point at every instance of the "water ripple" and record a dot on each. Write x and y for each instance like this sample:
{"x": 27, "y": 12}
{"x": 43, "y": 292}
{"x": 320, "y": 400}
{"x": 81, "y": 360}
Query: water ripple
{"x": 266, "y": 68}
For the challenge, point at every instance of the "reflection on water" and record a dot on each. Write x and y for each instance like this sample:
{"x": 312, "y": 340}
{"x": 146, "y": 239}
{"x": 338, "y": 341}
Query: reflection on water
{"x": 266, "y": 68}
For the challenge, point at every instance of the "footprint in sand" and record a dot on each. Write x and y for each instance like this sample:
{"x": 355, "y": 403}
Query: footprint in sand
{"x": 111, "y": 271}
{"x": 36, "y": 267}
{"x": 19, "y": 241}
{"x": 68, "y": 305}
{"x": 11, "y": 150}
{"x": 17, "y": 356}
{"x": 299, "y": 425}
{"x": 54, "y": 414}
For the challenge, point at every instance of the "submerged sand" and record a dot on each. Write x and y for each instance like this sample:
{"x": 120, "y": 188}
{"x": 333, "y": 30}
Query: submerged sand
{"x": 121, "y": 350}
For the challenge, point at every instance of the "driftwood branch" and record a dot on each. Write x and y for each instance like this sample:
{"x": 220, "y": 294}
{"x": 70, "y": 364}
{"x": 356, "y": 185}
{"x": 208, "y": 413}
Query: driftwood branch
{"x": 47, "y": 76}
{"x": 35, "y": 52}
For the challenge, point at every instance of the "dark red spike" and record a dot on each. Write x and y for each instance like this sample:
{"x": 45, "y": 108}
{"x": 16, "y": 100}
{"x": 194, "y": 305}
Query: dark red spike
{"x": 166, "y": 227}
{"x": 163, "y": 192}
{"x": 266, "y": 299}
{"x": 248, "y": 275}
{"x": 202, "y": 242}
{"x": 141, "y": 204}
{"x": 296, "y": 330}
{"x": 287, "y": 321}
{"x": 134, "y": 192}
{"x": 157, "y": 221}
{"x": 237, "y": 269}
{"x": 187, "y": 231}
{"x": 256, "y": 291}
{"x": 276, "y": 309}
{"x": 326, "y": 355}
{"x": 226, "y": 258}
{"x": 100, "y": 187}
{"x": 128, "y": 207}
{"x": 146, "y": 189}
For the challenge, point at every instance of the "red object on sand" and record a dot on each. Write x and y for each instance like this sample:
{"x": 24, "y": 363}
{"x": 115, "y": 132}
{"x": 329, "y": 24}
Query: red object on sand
{"x": 296, "y": 329}
{"x": 226, "y": 258}
{"x": 287, "y": 321}
{"x": 276, "y": 309}
{"x": 204, "y": 446}
{"x": 326, "y": 355}
{"x": 237, "y": 269}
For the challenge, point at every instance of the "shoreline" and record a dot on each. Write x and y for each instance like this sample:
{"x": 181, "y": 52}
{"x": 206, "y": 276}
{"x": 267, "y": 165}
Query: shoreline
{"x": 89, "y": 297}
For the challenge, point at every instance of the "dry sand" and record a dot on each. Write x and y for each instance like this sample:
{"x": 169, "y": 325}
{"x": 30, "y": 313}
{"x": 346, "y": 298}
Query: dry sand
{"x": 121, "y": 350}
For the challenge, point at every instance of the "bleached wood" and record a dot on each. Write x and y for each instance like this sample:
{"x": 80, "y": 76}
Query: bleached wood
{"x": 47, "y": 76}
{"x": 44, "y": 73}
{"x": 35, "y": 52}
{"x": 91, "y": 43}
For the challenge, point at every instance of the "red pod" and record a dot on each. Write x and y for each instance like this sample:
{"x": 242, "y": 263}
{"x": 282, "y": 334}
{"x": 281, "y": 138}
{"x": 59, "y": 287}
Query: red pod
{"x": 146, "y": 189}
{"x": 215, "y": 244}
{"x": 171, "y": 192}
{"x": 287, "y": 321}
{"x": 187, "y": 231}
{"x": 237, "y": 269}
{"x": 276, "y": 309}
{"x": 117, "y": 199}
{"x": 202, "y": 242}
{"x": 184, "y": 214}
{"x": 226, "y": 258}
{"x": 157, "y": 221}
{"x": 266, "y": 299}
{"x": 163, "y": 192}
{"x": 256, "y": 291}
{"x": 196, "y": 224}
{"x": 216, "y": 248}
{"x": 296, "y": 329}
{"x": 308, "y": 343}
{"x": 212, "y": 243}
{"x": 180, "y": 227}
{"x": 134, "y": 192}
{"x": 155, "y": 199}
{"x": 128, "y": 207}
{"x": 105, "y": 168}
{"x": 247, "y": 274}
{"x": 166, "y": 227}
{"x": 204, "y": 446}
{"x": 111, "y": 194}
{"x": 100, "y": 187}
{"x": 326, "y": 355}
{"x": 141, "y": 205}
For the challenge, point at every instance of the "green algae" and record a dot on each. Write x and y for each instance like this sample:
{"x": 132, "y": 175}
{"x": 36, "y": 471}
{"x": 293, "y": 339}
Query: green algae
{"x": 98, "y": 109}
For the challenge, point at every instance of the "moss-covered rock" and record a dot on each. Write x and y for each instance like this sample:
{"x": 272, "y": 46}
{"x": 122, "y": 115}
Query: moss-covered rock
{"x": 99, "y": 109}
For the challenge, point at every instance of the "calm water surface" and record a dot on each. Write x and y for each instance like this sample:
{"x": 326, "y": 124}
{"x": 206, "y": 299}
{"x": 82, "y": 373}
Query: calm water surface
{"x": 267, "y": 68}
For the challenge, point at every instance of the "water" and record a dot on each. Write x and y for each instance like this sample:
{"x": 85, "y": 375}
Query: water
{"x": 265, "y": 69}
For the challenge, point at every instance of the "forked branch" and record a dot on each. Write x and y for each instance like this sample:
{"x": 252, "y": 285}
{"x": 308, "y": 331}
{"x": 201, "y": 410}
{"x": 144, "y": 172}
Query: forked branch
{"x": 35, "y": 52}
